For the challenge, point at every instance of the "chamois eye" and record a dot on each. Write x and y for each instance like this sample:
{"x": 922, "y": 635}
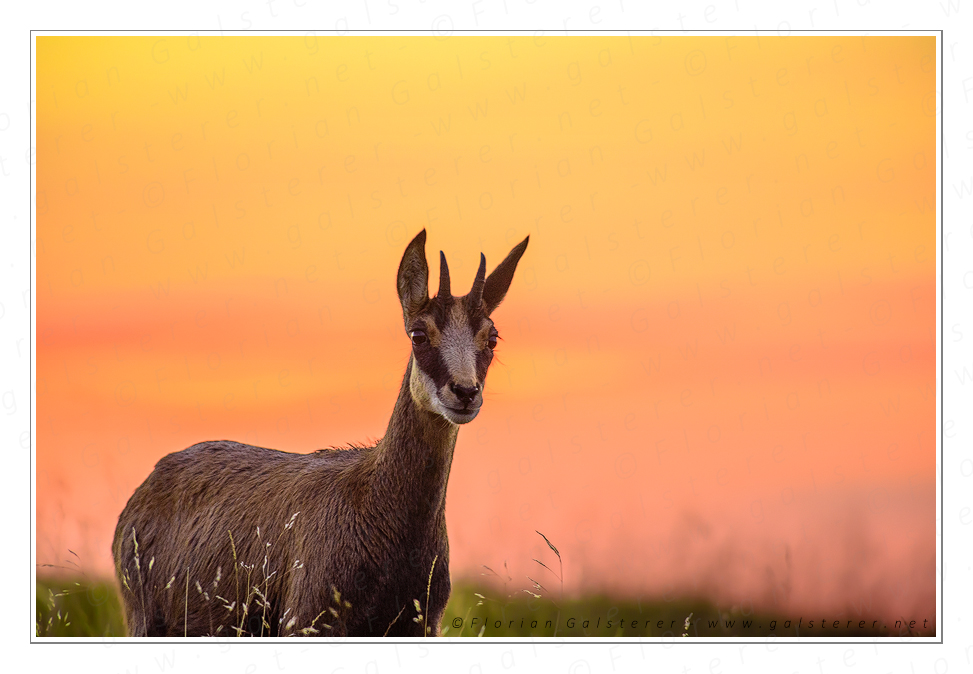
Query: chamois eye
{"x": 492, "y": 340}
{"x": 418, "y": 337}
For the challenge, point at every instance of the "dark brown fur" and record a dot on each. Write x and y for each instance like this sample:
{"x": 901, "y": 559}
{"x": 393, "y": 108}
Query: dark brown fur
{"x": 370, "y": 523}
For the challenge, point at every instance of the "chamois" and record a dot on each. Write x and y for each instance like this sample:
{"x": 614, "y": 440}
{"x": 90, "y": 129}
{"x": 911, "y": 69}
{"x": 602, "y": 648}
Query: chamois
{"x": 225, "y": 538}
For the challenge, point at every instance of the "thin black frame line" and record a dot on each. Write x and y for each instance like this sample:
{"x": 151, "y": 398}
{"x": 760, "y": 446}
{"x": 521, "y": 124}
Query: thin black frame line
{"x": 942, "y": 304}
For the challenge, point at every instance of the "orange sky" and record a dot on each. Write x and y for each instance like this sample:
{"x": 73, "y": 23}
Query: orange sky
{"x": 718, "y": 360}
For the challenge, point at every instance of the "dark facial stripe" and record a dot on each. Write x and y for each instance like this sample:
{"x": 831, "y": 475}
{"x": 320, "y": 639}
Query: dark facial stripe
{"x": 431, "y": 362}
{"x": 483, "y": 360}
{"x": 440, "y": 311}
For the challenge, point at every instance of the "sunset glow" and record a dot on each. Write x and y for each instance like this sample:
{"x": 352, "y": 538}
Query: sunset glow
{"x": 717, "y": 367}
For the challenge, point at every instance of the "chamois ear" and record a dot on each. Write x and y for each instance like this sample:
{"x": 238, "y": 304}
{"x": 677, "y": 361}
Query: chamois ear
{"x": 413, "y": 278}
{"x": 499, "y": 279}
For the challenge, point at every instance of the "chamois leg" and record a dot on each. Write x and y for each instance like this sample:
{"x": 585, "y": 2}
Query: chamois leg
{"x": 435, "y": 623}
{"x": 135, "y": 624}
{"x": 143, "y": 615}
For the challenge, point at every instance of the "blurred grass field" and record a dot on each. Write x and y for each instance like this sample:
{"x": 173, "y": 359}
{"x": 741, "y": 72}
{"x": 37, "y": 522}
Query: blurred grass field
{"x": 72, "y": 607}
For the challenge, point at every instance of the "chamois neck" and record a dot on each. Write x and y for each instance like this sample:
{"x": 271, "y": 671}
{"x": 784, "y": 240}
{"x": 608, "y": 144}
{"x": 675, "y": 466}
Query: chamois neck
{"x": 414, "y": 456}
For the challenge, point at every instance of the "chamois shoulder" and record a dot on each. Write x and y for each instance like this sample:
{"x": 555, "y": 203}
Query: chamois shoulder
{"x": 229, "y": 457}
{"x": 226, "y": 453}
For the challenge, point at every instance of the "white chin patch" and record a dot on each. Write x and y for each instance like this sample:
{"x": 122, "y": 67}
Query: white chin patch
{"x": 460, "y": 418}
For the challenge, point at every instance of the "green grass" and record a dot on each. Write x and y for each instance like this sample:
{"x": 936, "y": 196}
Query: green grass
{"x": 71, "y": 608}
{"x": 469, "y": 614}
{"x": 476, "y": 611}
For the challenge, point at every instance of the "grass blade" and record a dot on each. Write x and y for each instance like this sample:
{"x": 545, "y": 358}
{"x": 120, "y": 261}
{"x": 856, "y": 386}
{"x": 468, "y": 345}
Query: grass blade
{"x": 549, "y": 544}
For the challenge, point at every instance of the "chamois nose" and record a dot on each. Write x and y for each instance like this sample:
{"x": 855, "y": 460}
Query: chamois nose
{"x": 464, "y": 393}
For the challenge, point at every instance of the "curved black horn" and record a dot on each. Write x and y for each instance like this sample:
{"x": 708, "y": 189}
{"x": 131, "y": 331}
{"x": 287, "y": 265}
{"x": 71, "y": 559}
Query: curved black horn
{"x": 476, "y": 293}
{"x": 443, "y": 277}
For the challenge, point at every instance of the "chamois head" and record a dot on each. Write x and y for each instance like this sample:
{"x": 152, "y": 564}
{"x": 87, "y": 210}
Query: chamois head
{"x": 452, "y": 337}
